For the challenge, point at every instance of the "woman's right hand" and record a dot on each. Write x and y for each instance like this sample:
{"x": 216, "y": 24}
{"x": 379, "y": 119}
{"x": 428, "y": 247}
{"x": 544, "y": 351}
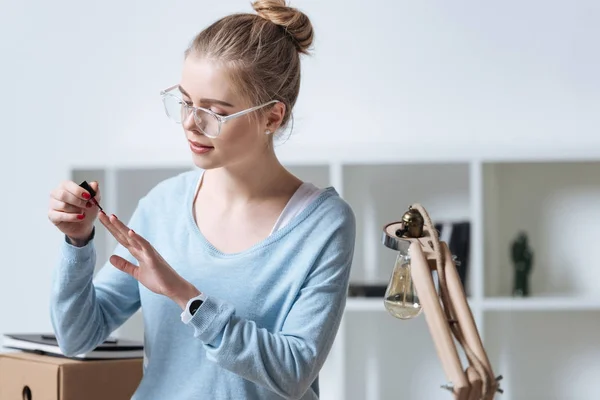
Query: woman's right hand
{"x": 72, "y": 212}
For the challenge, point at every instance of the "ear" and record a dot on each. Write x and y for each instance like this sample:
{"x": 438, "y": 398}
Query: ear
{"x": 275, "y": 117}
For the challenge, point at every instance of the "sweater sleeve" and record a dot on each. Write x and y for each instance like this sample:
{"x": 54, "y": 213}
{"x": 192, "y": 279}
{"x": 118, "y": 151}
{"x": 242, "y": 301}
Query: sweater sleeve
{"x": 287, "y": 362}
{"x": 84, "y": 309}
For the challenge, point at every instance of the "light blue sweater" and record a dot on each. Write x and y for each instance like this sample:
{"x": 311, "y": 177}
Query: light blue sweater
{"x": 268, "y": 323}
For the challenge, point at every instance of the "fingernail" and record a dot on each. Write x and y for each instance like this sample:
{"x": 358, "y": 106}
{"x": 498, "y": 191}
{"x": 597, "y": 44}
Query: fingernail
{"x": 102, "y": 211}
{"x": 86, "y": 195}
{"x": 81, "y": 216}
{"x": 114, "y": 216}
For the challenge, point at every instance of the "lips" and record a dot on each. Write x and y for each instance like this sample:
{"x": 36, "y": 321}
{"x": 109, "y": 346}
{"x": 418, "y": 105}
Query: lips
{"x": 197, "y": 144}
{"x": 199, "y": 148}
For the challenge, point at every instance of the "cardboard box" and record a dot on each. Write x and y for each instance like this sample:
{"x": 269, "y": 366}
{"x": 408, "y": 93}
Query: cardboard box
{"x": 27, "y": 376}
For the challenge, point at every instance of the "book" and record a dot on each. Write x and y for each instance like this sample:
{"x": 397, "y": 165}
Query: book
{"x": 47, "y": 344}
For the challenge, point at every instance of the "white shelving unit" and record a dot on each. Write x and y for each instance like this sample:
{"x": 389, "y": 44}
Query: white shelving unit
{"x": 546, "y": 346}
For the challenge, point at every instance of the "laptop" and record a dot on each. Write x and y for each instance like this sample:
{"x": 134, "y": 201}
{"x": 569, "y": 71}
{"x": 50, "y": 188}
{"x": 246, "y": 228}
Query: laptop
{"x": 46, "y": 343}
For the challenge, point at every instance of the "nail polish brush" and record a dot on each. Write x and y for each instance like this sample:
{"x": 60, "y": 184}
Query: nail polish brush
{"x": 92, "y": 192}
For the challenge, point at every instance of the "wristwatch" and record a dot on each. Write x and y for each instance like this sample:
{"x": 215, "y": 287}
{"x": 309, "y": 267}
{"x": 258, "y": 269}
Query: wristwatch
{"x": 195, "y": 305}
{"x": 192, "y": 306}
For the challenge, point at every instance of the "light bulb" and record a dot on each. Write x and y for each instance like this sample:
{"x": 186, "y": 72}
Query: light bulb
{"x": 401, "y": 299}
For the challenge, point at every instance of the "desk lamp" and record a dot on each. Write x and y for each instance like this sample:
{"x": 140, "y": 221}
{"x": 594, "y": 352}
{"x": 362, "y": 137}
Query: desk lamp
{"x": 411, "y": 291}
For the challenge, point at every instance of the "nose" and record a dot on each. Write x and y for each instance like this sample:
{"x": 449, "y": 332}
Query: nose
{"x": 189, "y": 123}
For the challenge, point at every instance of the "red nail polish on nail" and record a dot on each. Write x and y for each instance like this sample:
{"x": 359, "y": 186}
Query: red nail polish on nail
{"x": 81, "y": 216}
{"x": 114, "y": 216}
{"x": 86, "y": 196}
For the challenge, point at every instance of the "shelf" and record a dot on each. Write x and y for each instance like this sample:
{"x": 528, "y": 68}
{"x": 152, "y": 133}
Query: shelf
{"x": 177, "y": 154}
{"x": 388, "y": 359}
{"x": 377, "y": 356}
{"x": 541, "y": 304}
{"x": 365, "y": 304}
{"x": 375, "y": 304}
{"x": 556, "y": 204}
{"x": 545, "y": 355}
{"x": 496, "y": 304}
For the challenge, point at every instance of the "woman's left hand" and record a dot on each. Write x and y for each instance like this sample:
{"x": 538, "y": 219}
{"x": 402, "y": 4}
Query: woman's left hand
{"x": 153, "y": 271}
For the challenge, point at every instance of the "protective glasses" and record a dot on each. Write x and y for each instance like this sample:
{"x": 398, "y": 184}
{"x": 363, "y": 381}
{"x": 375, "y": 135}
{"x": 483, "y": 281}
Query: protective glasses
{"x": 207, "y": 121}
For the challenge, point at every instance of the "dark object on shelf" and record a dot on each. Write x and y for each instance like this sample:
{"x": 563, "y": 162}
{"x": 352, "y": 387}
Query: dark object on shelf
{"x": 458, "y": 237}
{"x": 522, "y": 257}
{"x": 363, "y": 290}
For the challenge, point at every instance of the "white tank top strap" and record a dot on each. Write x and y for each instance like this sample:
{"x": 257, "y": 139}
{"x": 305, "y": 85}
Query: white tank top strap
{"x": 304, "y": 195}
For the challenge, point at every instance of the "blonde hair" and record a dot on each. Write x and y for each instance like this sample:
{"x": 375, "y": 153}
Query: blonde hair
{"x": 261, "y": 51}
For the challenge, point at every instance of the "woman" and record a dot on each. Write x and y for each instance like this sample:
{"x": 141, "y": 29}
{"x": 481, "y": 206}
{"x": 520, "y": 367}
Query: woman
{"x": 240, "y": 268}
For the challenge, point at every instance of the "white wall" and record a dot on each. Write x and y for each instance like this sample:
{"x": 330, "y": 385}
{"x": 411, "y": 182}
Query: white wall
{"x": 83, "y": 77}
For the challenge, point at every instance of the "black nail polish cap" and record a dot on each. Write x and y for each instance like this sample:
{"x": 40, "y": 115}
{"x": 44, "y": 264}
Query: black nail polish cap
{"x": 87, "y": 187}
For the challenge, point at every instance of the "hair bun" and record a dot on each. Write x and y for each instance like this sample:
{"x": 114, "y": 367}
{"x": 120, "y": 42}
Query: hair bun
{"x": 294, "y": 21}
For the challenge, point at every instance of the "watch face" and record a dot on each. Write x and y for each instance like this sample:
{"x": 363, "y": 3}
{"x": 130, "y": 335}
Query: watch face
{"x": 194, "y": 306}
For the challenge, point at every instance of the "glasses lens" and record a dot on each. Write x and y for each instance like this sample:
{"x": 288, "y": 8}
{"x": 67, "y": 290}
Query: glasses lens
{"x": 208, "y": 123}
{"x": 175, "y": 108}
{"x": 178, "y": 111}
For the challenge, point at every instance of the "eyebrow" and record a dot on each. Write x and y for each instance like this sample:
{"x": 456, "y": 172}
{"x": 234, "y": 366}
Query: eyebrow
{"x": 205, "y": 100}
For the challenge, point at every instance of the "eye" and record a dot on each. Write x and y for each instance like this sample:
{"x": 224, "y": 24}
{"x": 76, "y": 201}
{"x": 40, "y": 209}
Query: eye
{"x": 218, "y": 112}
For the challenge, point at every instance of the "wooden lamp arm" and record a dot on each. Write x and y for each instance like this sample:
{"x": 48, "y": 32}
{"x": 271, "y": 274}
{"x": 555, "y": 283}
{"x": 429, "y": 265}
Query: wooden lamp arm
{"x": 437, "y": 323}
{"x": 466, "y": 323}
{"x": 447, "y": 313}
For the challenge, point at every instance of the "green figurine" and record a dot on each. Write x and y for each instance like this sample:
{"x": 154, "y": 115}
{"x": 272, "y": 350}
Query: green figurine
{"x": 522, "y": 257}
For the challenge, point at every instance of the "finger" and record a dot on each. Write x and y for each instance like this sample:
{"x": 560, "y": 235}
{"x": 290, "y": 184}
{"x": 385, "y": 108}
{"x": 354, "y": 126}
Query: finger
{"x": 139, "y": 240}
{"x": 123, "y": 229}
{"x": 118, "y": 224}
{"x": 104, "y": 219}
{"x": 58, "y": 216}
{"x": 116, "y": 228}
{"x": 59, "y": 205}
{"x": 96, "y": 187}
{"x": 66, "y": 196}
{"x": 77, "y": 190}
{"x": 124, "y": 265}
